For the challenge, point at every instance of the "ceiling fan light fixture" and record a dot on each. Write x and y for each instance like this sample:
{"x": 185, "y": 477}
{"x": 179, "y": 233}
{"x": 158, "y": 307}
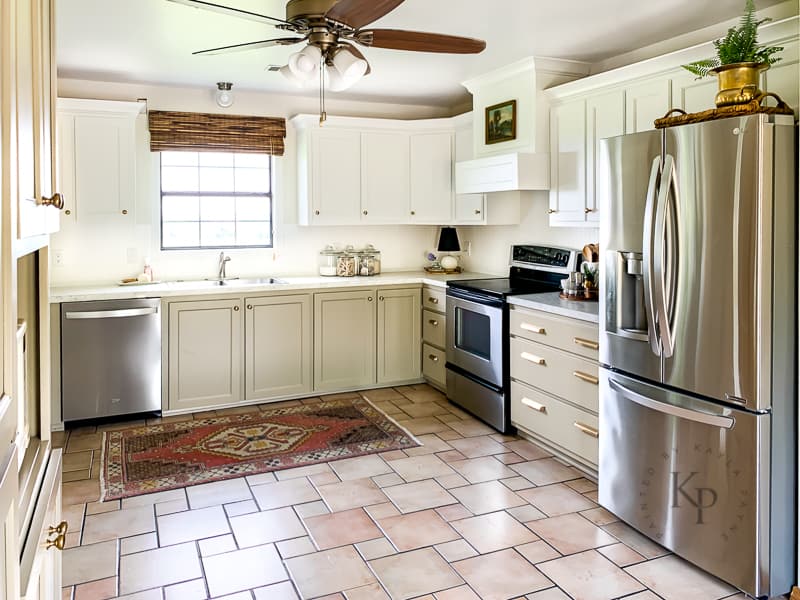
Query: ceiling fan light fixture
{"x": 304, "y": 64}
{"x": 336, "y": 83}
{"x": 348, "y": 65}
{"x": 224, "y": 95}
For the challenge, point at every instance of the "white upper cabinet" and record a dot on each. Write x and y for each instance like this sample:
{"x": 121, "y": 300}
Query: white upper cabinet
{"x": 432, "y": 177}
{"x": 692, "y": 94}
{"x": 334, "y": 180}
{"x": 385, "y": 185}
{"x": 568, "y": 164}
{"x": 503, "y": 173}
{"x": 605, "y": 118}
{"x": 645, "y": 102}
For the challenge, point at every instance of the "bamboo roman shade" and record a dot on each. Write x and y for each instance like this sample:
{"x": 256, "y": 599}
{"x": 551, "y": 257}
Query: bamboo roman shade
{"x": 204, "y": 132}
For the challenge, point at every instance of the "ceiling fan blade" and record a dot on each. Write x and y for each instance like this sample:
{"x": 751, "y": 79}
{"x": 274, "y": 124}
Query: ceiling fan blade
{"x": 358, "y": 54}
{"x": 233, "y": 12}
{"x": 418, "y": 41}
{"x": 248, "y": 46}
{"x": 358, "y": 13}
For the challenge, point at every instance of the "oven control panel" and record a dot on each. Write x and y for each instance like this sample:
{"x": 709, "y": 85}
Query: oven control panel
{"x": 532, "y": 256}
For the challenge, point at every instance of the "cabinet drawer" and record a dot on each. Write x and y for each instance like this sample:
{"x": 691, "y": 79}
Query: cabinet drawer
{"x": 433, "y": 361}
{"x": 567, "y": 334}
{"x": 565, "y": 425}
{"x": 433, "y": 328}
{"x": 433, "y": 299}
{"x": 556, "y": 372}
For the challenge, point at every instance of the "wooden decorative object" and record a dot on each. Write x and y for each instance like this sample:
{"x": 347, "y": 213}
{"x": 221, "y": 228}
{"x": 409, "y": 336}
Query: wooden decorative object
{"x": 795, "y": 593}
{"x": 737, "y": 110}
{"x": 441, "y": 271}
{"x": 501, "y": 122}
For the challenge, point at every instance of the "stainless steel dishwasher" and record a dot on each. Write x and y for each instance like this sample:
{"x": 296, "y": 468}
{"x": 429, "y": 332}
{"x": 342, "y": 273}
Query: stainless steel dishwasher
{"x": 110, "y": 358}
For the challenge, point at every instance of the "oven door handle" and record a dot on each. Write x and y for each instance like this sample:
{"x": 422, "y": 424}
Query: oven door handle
{"x": 464, "y": 295}
{"x": 674, "y": 411}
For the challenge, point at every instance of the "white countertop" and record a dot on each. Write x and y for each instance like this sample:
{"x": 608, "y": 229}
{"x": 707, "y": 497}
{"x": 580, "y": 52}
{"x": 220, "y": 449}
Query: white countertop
{"x": 550, "y": 302}
{"x": 112, "y": 291}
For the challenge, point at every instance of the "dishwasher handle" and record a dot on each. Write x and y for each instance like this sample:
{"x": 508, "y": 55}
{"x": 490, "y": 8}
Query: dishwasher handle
{"x": 112, "y": 314}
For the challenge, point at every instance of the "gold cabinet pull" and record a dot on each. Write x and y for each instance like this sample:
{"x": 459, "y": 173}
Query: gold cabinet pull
{"x": 537, "y": 360}
{"x": 587, "y": 210}
{"x": 537, "y": 406}
{"x": 60, "y": 540}
{"x": 56, "y": 200}
{"x": 433, "y": 300}
{"x": 533, "y": 328}
{"x": 433, "y": 322}
{"x": 433, "y": 357}
{"x": 586, "y": 377}
{"x": 590, "y": 431}
{"x": 586, "y": 343}
{"x": 60, "y": 529}
{"x": 551, "y": 211}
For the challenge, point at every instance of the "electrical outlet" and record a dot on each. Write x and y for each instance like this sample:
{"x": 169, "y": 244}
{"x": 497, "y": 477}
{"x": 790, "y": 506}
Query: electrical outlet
{"x": 58, "y": 258}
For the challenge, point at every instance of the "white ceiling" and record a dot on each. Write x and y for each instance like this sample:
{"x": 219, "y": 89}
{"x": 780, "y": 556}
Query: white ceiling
{"x": 150, "y": 41}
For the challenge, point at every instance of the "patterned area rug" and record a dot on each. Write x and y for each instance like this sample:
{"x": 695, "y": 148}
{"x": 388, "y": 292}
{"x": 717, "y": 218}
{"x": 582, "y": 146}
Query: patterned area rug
{"x": 155, "y": 458}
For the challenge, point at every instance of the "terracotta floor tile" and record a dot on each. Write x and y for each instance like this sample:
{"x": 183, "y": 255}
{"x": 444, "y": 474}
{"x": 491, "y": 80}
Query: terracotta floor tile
{"x": 261, "y": 528}
{"x": 173, "y": 506}
{"x": 423, "y": 425}
{"x": 387, "y": 480}
{"x": 428, "y": 409}
{"x": 449, "y": 435}
{"x": 276, "y": 591}
{"x": 571, "y": 533}
{"x": 351, "y": 494}
{"x": 454, "y": 512}
{"x": 537, "y": 552}
{"x": 487, "y": 497}
{"x": 311, "y": 509}
{"x": 527, "y": 450}
{"x": 192, "y": 525}
{"x": 557, "y": 499}
{"x": 217, "y": 545}
{"x": 553, "y": 594}
{"x": 80, "y": 492}
{"x": 495, "y": 531}
{"x": 633, "y": 539}
{"x": 471, "y": 428}
{"x": 417, "y": 530}
{"x": 157, "y": 568}
{"x": 509, "y": 458}
{"x": 545, "y": 471}
{"x": 451, "y": 456}
{"x": 118, "y": 524}
{"x": 329, "y": 572}
{"x": 479, "y": 470}
{"x": 413, "y": 574}
{"x": 419, "y": 495}
{"x": 375, "y": 548}
{"x": 284, "y": 493}
{"x": 673, "y": 578}
{"x": 417, "y": 468}
{"x": 380, "y": 511}
{"x": 474, "y": 447}
{"x": 590, "y": 576}
{"x": 97, "y": 590}
{"x": 456, "y": 550}
{"x": 156, "y": 498}
{"x": 582, "y": 485}
{"x": 393, "y": 455}
{"x": 188, "y": 590}
{"x": 73, "y": 515}
{"x": 89, "y": 441}
{"x": 526, "y": 513}
{"x": 341, "y": 528}
{"x": 424, "y": 394}
{"x": 218, "y": 492}
{"x": 381, "y": 394}
{"x": 138, "y": 543}
{"x": 651, "y": 596}
{"x": 368, "y": 592}
{"x": 458, "y": 593}
{"x": 243, "y": 570}
{"x": 431, "y": 444}
{"x": 360, "y": 467}
{"x": 76, "y": 461}
{"x": 451, "y": 481}
{"x": 621, "y": 555}
{"x": 76, "y": 475}
{"x": 501, "y": 575}
{"x": 261, "y": 479}
{"x": 599, "y": 516}
{"x": 95, "y": 508}
{"x": 145, "y": 595}
{"x": 245, "y": 507}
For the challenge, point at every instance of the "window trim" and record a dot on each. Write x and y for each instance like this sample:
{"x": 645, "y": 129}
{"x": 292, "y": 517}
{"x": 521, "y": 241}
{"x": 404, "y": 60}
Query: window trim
{"x": 267, "y": 195}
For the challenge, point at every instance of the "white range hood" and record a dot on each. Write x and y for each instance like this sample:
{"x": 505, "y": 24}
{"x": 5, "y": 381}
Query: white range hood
{"x": 522, "y": 163}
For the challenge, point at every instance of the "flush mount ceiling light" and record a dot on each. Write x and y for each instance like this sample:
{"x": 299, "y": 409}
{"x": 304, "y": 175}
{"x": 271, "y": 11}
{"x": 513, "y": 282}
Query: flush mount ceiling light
{"x": 224, "y": 95}
{"x": 330, "y": 28}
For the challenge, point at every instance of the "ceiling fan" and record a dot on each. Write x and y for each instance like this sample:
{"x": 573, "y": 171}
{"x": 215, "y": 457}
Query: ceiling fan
{"x": 331, "y": 30}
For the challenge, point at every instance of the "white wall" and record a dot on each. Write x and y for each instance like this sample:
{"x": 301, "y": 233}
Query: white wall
{"x": 105, "y": 252}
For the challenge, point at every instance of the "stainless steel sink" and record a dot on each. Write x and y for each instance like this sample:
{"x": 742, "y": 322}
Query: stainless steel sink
{"x": 236, "y": 281}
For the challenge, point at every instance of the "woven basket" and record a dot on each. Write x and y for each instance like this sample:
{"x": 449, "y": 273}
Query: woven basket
{"x": 738, "y": 110}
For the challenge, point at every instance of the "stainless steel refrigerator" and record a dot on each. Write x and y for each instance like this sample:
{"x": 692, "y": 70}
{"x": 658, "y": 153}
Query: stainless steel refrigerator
{"x": 698, "y": 398}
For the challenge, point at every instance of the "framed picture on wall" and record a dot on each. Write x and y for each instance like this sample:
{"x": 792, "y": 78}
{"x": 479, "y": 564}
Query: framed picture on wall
{"x": 501, "y": 122}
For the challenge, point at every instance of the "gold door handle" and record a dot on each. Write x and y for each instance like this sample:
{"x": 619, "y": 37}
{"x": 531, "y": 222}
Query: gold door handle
{"x": 433, "y": 300}
{"x": 533, "y": 328}
{"x": 56, "y": 200}
{"x": 586, "y": 377}
{"x": 433, "y": 357}
{"x": 590, "y": 431}
{"x": 537, "y": 406}
{"x": 60, "y": 529}
{"x": 537, "y": 360}
{"x": 551, "y": 211}
{"x": 586, "y": 343}
{"x": 433, "y": 322}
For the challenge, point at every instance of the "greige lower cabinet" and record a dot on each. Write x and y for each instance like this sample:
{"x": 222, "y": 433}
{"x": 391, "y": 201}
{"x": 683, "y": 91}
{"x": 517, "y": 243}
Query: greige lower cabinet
{"x": 344, "y": 340}
{"x": 554, "y": 388}
{"x": 398, "y": 335}
{"x": 278, "y": 337}
{"x": 205, "y": 353}
{"x": 434, "y": 323}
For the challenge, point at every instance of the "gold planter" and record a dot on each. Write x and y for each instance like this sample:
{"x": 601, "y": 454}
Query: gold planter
{"x": 738, "y": 82}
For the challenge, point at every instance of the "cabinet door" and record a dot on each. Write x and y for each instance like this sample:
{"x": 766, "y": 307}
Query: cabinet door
{"x": 205, "y": 353}
{"x": 335, "y": 177}
{"x": 432, "y": 178}
{"x": 644, "y": 103}
{"x": 470, "y": 209}
{"x": 399, "y": 335}
{"x": 605, "y": 117}
{"x": 9, "y": 548}
{"x": 344, "y": 340}
{"x": 782, "y": 78}
{"x": 278, "y": 338}
{"x": 692, "y": 94}
{"x": 385, "y": 164}
{"x": 568, "y": 162}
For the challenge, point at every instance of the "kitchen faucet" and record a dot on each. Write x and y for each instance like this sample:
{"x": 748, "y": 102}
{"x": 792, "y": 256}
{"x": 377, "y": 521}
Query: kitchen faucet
{"x": 223, "y": 261}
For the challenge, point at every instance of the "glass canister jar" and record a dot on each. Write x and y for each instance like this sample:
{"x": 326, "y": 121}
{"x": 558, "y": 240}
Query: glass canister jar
{"x": 347, "y": 264}
{"x": 366, "y": 263}
{"x": 376, "y": 259}
{"x": 327, "y": 261}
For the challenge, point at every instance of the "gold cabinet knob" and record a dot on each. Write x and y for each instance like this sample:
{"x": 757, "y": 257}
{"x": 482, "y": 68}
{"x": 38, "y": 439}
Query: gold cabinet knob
{"x": 380, "y": 298}
{"x": 369, "y": 298}
{"x": 477, "y": 211}
{"x": 550, "y": 211}
{"x": 413, "y": 212}
{"x": 56, "y": 200}
{"x": 67, "y": 212}
{"x": 249, "y": 307}
{"x": 124, "y": 212}
{"x": 316, "y": 212}
{"x": 236, "y": 308}
{"x": 366, "y": 213}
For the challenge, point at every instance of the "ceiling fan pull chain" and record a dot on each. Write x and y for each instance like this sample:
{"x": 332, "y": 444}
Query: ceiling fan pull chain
{"x": 323, "y": 116}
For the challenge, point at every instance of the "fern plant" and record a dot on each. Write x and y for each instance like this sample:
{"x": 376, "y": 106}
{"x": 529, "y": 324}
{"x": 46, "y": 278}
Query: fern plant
{"x": 739, "y": 45}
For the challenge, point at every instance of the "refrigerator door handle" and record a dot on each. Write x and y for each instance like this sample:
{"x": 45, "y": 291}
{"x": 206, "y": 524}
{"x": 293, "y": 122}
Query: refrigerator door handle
{"x": 647, "y": 258}
{"x": 675, "y": 411}
{"x": 659, "y": 259}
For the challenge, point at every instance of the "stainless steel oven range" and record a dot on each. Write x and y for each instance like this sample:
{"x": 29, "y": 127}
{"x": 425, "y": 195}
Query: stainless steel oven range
{"x": 477, "y": 329}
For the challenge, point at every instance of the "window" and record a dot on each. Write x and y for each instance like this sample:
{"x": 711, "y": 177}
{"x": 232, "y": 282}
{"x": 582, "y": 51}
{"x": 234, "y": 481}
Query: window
{"x": 215, "y": 200}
